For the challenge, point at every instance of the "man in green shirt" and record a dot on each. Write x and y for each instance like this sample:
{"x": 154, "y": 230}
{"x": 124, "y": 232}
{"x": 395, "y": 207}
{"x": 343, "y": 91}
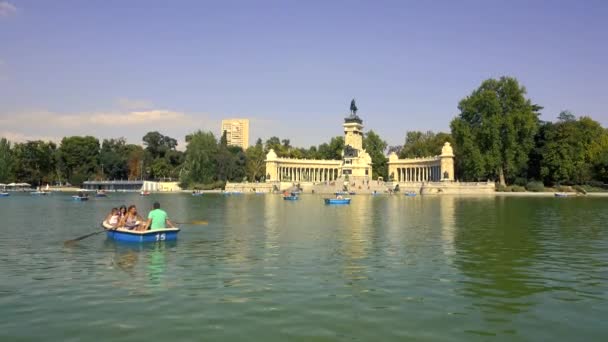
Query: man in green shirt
{"x": 157, "y": 219}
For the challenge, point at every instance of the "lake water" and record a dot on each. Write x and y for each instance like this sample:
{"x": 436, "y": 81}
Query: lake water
{"x": 385, "y": 268}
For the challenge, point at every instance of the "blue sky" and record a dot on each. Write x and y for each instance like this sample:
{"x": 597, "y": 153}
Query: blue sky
{"x": 122, "y": 68}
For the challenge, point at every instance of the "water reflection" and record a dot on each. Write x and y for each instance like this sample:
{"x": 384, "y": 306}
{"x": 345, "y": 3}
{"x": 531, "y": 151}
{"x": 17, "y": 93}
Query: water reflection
{"x": 145, "y": 264}
{"x": 496, "y": 246}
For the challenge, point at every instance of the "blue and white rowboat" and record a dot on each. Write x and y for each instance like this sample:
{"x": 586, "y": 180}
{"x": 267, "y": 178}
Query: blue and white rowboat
{"x": 337, "y": 201}
{"x": 125, "y": 235}
{"x": 291, "y": 198}
{"x": 4, "y": 194}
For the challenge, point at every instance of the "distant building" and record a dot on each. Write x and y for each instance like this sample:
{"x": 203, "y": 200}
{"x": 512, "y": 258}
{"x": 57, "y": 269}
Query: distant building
{"x": 237, "y": 132}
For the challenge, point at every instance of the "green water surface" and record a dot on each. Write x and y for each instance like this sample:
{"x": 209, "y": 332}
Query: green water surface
{"x": 384, "y": 268}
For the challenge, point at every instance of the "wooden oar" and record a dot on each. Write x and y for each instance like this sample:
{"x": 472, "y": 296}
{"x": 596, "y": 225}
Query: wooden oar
{"x": 67, "y": 242}
{"x": 199, "y": 222}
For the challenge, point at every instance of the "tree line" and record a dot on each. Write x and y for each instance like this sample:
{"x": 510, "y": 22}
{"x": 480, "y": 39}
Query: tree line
{"x": 497, "y": 135}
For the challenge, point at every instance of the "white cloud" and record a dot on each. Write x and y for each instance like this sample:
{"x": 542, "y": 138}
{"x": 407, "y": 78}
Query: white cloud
{"x": 6, "y": 8}
{"x": 21, "y": 137}
{"x": 133, "y": 125}
{"x": 133, "y": 104}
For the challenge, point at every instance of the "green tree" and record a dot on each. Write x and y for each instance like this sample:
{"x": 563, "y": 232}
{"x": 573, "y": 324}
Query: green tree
{"x": 333, "y": 150}
{"x": 6, "y": 162}
{"x": 256, "y": 161}
{"x": 80, "y": 157}
{"x": 34, "y": 162}
{"x": 571, "y": 149}
{"x": 200, "y": 166}
{"x": 114, "y": 156}
{"x": 158, "y": 145}
{"x": 423, "y": 144}
{"x": 376, "y": 147}
{"x": 494, "y": 132}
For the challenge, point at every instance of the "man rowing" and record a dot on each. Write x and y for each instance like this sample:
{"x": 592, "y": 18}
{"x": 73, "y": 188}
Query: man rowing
{"x": 157, "y": 219}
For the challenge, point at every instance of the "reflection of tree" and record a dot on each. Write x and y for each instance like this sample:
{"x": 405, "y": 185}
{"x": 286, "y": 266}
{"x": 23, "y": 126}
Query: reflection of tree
{"x": 496, "y": 247}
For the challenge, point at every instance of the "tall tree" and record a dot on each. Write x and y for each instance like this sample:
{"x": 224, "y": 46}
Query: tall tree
{"x": 158, "y": 145}
{"x": 113, "y": 157}
{"x": 494, "y": 132}
{"x": 80, "y": 156}
{"x": 256, "y": 162}
{"x": 376, "y": 147}
{"x": 570, "y": 148}
{"x": 6, "y": 162}
{"x": 200, "y": 165}
{"x": 423, "y": 144}
{"x": 35, "y": 162}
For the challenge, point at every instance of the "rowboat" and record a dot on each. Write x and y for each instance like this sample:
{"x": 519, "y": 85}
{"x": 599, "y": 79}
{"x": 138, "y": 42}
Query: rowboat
{"x": 337, "y": 201}
{"x": 197, "y": 194}
{"x": 4, "y": 194}
{"x": 144, "y": 193}
{"x": 101, "y": 194}
{"x": 410, "y": 194}
{"x": 80, "y": 198}
{"x": 291, "y": 198}
{"x": 561, "y": 194}
{"x": 125, "y": 235}
{"x": 40, "y": 193}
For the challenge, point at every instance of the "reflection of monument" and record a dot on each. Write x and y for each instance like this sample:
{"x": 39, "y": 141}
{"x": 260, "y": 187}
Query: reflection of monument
{"x": 355, "y": 163}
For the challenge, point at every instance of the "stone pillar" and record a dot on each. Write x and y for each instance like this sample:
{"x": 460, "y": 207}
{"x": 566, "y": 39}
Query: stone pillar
{"x": 272, "y": 166}
{"x": 447, "y": 162}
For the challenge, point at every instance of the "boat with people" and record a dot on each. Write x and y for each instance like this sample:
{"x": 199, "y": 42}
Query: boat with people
{"x": 101, "y": 193}
{"x": 41, "y": 192}
{"x": 291, "y": 198}
{"x": 126, "y": 235}
{"x": 337, "y": 200}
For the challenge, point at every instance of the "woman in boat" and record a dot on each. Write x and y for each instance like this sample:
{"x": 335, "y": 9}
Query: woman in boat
{"x": 113, "y": 217}
{"x": 122, "y": 212}
{"x": 131, "y": 220}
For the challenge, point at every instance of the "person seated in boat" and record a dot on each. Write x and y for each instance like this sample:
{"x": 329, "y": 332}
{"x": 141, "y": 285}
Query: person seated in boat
{"x": 158, "y": 219}
{"x": 122, "y": 212}
{"x": 339, "y": 197}
{"x": 113, "y": 218}
{"x": 132, "y": 220}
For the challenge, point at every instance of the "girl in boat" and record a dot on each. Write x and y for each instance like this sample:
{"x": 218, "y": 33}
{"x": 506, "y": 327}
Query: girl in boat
{"x": 113, "y": 217}
{"x": 131, "y": 220}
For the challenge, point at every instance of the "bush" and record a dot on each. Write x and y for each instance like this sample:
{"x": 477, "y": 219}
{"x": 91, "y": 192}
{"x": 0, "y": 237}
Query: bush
{"x": 517, "y": 188}
{"x": 579, "y": 189}
{"x": 535, "y": 186}
{"x": 520, "y": 181}
{"x": 501, "y": 188}
{"x": 563, "y": 188}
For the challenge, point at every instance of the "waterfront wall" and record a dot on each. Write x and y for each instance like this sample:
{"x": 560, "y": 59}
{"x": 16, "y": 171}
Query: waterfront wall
{"x": 362, "y": 186}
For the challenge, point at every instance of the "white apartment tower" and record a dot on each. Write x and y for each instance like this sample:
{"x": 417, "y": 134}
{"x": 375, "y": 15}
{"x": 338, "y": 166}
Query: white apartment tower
{"x": 237, "y": 132}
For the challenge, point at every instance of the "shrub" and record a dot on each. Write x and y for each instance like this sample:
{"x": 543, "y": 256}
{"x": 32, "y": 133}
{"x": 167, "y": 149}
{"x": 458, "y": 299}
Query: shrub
{"x": 501, "y": 188}
{"x": 517, "y": 188}
{"x": 520, "y": 181}
{"x": 580, "y": 189}
{"x": 563, "y": 188}
{"x": 535, "y": 186}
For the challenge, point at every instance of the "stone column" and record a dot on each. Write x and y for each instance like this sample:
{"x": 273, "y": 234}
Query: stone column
{"x": 447, "y": 162}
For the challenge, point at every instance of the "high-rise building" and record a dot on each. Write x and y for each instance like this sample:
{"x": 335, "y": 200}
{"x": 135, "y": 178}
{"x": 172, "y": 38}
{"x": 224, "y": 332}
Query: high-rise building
{"x": 237, "y": 132}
